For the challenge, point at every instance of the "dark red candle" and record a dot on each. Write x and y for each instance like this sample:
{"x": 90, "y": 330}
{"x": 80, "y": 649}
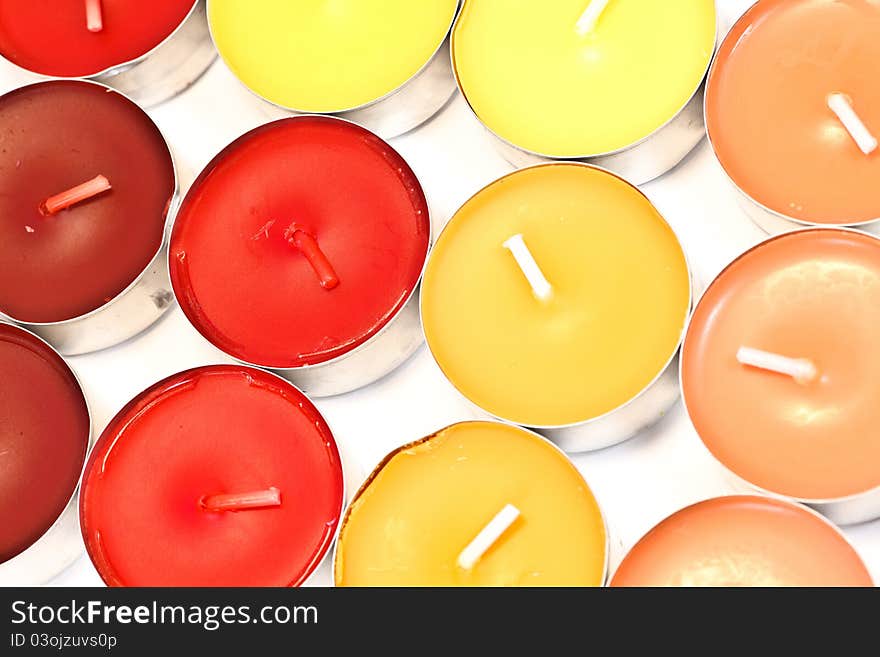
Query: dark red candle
{"x": 60, "y": 263}
{"x": 217, "y": 476}
{"x": 61, "y": 37}
{"x": 299, "y": 242}
{"x": 44, "y": 436}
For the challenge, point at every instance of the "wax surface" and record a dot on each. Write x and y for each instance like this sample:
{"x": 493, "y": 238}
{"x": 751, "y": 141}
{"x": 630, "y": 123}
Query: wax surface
{"x": 620, "y": 296}
{"x": 44, "y": 435}
{"x": 251, "y": 292}
{"x": 742, "y": 541}
{"x": 533, "y": 80}
{"x": 57, "y": 135}
{"x": 218, "y": 429}
{"x": 767, "y": 112}
{"x": 50, "y": 36}
{"x": 429, "y": 499}
{"x": 327, "y": 55}
{"x": 813, "y": 294}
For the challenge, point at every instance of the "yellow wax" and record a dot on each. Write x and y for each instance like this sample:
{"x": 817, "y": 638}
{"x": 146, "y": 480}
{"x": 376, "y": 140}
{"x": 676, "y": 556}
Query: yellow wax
{"x": 539, "y": 84}
{"x": 621, "y": 293}
{"x": 428, "y": 500}
{"x": 327, "y": 55}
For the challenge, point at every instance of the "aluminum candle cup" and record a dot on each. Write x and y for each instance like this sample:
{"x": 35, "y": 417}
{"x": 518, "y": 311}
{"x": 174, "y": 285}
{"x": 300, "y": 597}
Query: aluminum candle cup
{"x": 780, "y": 370}
{"x": 615, "y": 84}
{"x": 88, "y": 184}
{"x": 44, "y": 439}
{"x": 743, "y": 540}
{"x": 797, "y": 140}
{"x": 381, "y": 63}
{"x": 556, "y": 298}
{"x": 300, "y": 248}
{"x": 149, "y": 51}
{"x": 514, "y": 511}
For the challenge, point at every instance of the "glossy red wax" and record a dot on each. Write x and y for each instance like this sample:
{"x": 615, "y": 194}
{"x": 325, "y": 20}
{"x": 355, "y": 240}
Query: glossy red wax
{"x": 211, "y": 430}
{"x": 246, "y": 286}
{"x": 44, "y": 436}
{"x": 53, "y": 136}
{"x": 51, "y": 37}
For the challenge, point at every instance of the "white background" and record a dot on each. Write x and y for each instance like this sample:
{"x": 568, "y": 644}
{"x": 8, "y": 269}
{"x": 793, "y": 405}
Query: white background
{"x": 637, "y": 483}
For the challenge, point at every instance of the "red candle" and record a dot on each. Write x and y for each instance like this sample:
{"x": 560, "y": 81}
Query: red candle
{"x": 80, "y": 38}
{"x": 85, "y": 184}
{"x": 217, "y": 476}
{"x": 299, "y": 242}
{"x": 44, "y": 436}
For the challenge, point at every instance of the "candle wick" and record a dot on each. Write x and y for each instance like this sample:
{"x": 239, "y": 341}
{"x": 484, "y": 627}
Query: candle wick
{"x": 487, "y": 537}
{"x": 541, "y": 287}
{"x": 259, "y": 499}
{"x": 306, "y": 244}
{"x": 83, "y": 192}
{"x": 801, "y": 370}
{"x": 587, "y": 22}
{"x": 842, "y": 107}
{"x": 94, "y": 17}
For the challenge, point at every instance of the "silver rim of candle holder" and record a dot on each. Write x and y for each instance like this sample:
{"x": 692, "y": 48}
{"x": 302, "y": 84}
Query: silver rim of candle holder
{"x": 793, "y": 503}
{"x": 60, "y": 545}
{"x": 400, "y": 110}
{"x": 844, "y": 510}
{"x": 390, "y": 455}
{"x": 645, "y": 409}
{"x": 639, "y": 162}
{"x": 162, "y": 72}
{"x": 371, "y": 360}
{"x": 770, "y": 221}
{"x": 137, "y": 306}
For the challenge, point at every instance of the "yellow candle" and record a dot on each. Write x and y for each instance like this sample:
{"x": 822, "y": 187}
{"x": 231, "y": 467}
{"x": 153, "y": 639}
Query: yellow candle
{"x": 327, "y": 55}
{"x": 543, "y": 83}
{"x": 613, "y": 320}
{"x": 428, "y": 501}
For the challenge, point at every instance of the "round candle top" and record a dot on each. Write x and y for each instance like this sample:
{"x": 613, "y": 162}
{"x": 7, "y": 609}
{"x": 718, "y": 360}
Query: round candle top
{"x": 768, "y": 113}
{"x": 539, "y": 78}
{"x": 319, "y": 56}
{"x": 149, "y": 505}
{"x": 57, "y": 136}
{"x": 299, "y": 242}
{"x": 55, "y": 38}
{"x": 417, "y": 515}
{"x": 44, "y": 435}
{"x": 812, "y": 296}
{"x": 613, "y": 320}
{"x": 743, "y": 541}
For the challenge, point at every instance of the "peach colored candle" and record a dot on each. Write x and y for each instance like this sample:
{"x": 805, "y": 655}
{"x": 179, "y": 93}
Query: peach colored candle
{"x": 777, "y": 101}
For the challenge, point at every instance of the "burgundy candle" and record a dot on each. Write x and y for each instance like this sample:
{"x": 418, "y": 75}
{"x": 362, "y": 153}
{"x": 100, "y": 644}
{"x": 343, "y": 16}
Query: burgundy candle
{"x": 86, "y": 181}
{"x": 44, "y": 435}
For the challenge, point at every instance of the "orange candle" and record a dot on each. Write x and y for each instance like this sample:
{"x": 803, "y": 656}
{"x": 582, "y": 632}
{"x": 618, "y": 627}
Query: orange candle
{"x": 781, "y": 97}
{"x": 743, "y": 540}
{"x": 780, "y": 367}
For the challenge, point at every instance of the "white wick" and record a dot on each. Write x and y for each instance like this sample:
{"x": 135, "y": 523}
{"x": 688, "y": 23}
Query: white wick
{"x": 840, "y": 105}
{"x": 487, "y": 536}
{"x": 530, "y": 269}
{"x": 800, "y": 369}
{"x": 94, "y": 19}
{"x": 587, "y": 22}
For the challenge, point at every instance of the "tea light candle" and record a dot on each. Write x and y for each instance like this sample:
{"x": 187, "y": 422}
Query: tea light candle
{"x": 86, "y": 181}
{"x": 554, "y": 296}
{"x": 299, "y": 243}
{"x": 793, "y": 109}
{"x": 315, "y": 56}
{"x": 44, "y": 436}
{"x": 513, "y": 510}
{"x": 575, "y": 78}
{"x": 217, "y": 476}
{"x": 781, "y": 367}
{"x": 743, "y": 541}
